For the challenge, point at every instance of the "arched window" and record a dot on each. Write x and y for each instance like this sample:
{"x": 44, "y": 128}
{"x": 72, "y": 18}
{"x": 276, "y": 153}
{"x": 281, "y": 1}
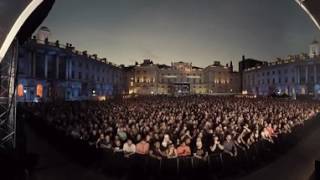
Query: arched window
{"x": 20, "y": 90}
{"x": 39, "y": 90}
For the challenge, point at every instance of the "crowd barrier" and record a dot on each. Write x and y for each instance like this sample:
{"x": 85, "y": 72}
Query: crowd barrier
{"x": 219, "y": 164}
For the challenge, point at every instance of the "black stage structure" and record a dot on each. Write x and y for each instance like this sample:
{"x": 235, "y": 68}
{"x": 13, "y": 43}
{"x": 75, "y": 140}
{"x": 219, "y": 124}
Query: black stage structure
{"x": 18, "y": 20}
{"x": 312, "y": 8}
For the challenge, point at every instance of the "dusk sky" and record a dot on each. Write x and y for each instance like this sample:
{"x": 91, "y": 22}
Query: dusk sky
{"x": 197, "y": 31}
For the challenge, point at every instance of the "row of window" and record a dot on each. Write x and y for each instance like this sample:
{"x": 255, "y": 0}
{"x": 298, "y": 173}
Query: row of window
{"x": 21, "y": 91}
{"x": 145, "y": 80}
{"x": 282, "y": 80}
{"x": 165, "y": 87}
{"x": 173, "y": 80}
{"x": 94, "y": 67}
{"x": 285, "y": 71}
{"x": 92, "y": 77}
{"x": 279, "y": 72}
{"x": 286, "y": 80}
{"x": 175, "y": 74}
{"x": 222, "y": 81}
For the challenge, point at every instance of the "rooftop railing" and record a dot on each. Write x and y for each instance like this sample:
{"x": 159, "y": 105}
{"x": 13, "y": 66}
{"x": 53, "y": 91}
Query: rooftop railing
{"x": 288, "y": 60}
{"x": 69, "y": 47}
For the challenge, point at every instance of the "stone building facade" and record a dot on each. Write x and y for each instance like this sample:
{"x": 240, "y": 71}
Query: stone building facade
{"x": 50, "y": 71}
{"x": 182, "y": 78}
{"x": 294, "y": 75}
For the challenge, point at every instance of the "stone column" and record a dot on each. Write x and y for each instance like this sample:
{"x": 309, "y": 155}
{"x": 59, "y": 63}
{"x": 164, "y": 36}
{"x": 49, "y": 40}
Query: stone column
{"x": 30, "y": 58}
{"x": 67, "y": 68}
{"x": 315, "y": 73}
{"x": 70, "y": 68}
{"x": 33, "y": 62}
{"x": 307, "y": 74}
{"x": 57, "y": 66}
{"x": 297, "y": 75}
{"x": 45, "y": 66}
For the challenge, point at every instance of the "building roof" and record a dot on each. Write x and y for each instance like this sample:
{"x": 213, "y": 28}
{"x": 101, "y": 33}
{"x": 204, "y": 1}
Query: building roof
{"x": 163, "y": 66}
{"x": 128, "y": 68}
{"x": 252, "y": 60}
{"x": 195, "y": 67}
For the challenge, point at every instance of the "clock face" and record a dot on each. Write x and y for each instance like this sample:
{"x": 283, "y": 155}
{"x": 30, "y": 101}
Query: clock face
{"x": 13, "y": 14}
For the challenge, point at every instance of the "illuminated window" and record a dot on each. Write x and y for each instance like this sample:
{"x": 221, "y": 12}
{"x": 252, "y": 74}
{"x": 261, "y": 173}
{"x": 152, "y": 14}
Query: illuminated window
{"x": 303, "y": 91}
{"x": 39, "y": 90}
{"x": 20, "y": 90}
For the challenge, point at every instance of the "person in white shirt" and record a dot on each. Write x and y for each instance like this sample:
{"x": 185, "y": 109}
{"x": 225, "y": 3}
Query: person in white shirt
{"x": 129, "y": 148}
{"x": 166, "y": 141}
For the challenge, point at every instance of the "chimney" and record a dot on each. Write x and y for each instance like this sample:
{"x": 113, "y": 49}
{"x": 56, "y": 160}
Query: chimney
{"x": 57, "y": 43}
{"x": 104, "y": 60}
{"x": 85, "y": 53}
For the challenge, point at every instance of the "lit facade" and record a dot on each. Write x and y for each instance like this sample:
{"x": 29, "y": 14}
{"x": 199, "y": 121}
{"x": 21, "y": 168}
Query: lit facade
{"x": 51, "y": 71}
{"x": 182, "y": 78}
{"x": 221, "y": 79}
{"x": 295, "y": 75}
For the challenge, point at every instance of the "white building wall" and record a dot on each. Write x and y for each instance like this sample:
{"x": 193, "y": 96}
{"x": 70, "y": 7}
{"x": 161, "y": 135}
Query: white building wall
{"x": 298, "y": 77}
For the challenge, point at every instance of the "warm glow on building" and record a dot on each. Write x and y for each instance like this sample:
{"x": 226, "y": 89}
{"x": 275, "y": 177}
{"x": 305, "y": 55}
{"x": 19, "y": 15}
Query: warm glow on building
{"x": 39, "y": 90}
{"x": 182, "y": 77}
{"x": 20, "y": 90}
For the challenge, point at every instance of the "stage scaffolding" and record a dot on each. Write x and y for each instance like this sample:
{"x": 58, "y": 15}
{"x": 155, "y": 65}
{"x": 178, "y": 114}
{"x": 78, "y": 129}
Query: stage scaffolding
{"x": 8, "y": 68}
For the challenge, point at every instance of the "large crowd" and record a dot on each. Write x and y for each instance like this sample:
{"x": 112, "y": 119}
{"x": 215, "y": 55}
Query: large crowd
{"x": 169, "y": 127}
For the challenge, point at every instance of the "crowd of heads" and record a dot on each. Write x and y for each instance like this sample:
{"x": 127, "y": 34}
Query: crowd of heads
{"x": 171, "y": 127}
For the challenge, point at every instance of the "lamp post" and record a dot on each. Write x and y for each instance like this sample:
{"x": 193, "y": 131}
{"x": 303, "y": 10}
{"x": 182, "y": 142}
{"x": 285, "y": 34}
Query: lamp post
{"x": 25, "y": 95}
